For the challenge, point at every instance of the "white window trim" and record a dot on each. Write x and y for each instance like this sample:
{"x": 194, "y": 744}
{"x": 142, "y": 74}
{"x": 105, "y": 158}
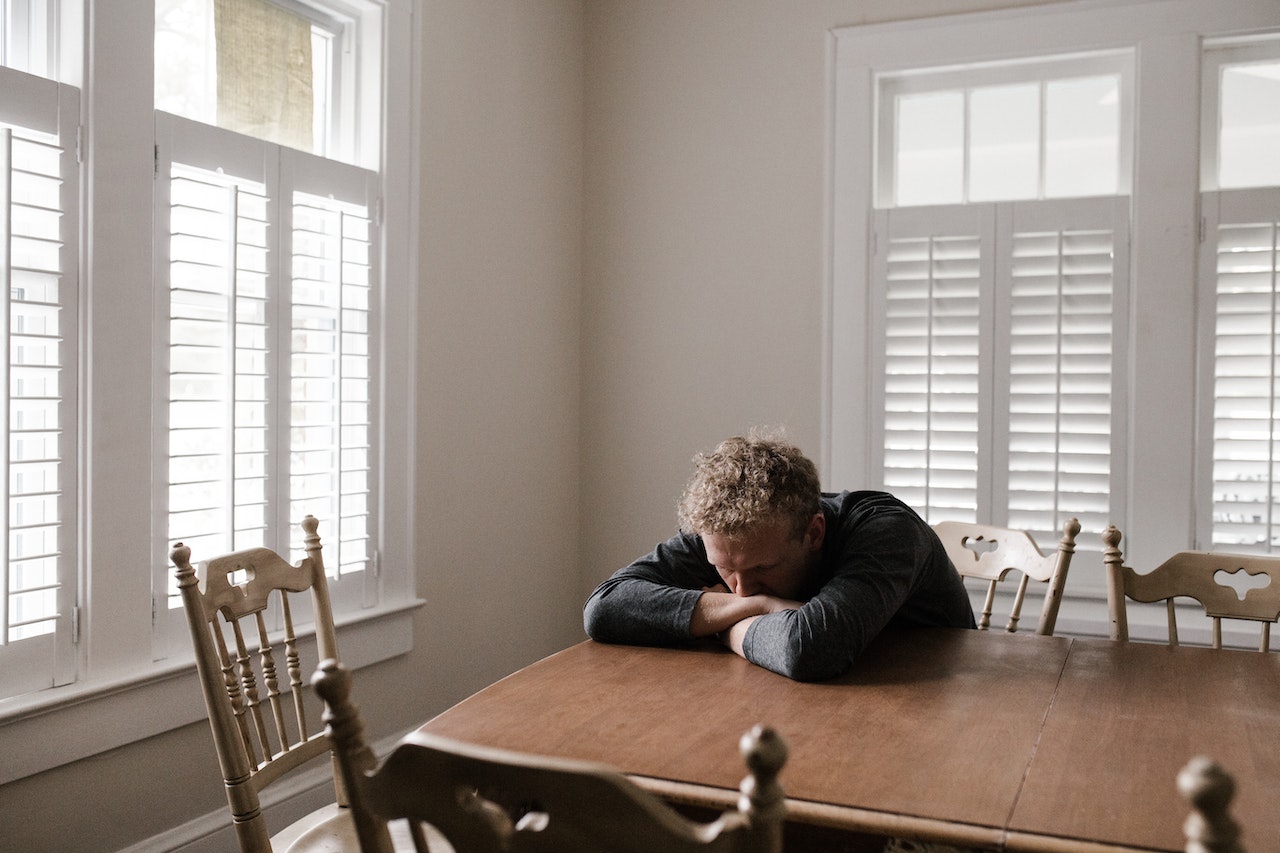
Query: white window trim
{"x": 144, "y": 699}
{"x": 1157, "y": 511}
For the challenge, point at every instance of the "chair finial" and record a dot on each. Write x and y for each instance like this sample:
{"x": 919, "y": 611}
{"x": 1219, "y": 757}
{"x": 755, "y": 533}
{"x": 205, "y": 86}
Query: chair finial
{"x": 1210, "y": 827}
{"x": 181, "y": 557}
{"x": 761, "y": 797}
{"x": 1070, "y": 530}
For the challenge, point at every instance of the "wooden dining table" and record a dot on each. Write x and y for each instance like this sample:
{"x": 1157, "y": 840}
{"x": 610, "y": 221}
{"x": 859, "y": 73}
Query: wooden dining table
{"x": 976, "y": 739}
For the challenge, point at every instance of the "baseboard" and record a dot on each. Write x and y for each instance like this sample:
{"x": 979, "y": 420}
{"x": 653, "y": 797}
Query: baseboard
{"x": 289, "y": 799}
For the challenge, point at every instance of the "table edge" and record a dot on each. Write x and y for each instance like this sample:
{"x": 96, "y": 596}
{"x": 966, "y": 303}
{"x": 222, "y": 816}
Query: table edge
{"x": 846, "y": 818}
{"x": 1022, "y": 841}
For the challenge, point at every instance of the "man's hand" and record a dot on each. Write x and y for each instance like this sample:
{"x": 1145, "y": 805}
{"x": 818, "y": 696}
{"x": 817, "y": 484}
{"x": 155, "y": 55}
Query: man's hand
{"x": 720, "y": 612}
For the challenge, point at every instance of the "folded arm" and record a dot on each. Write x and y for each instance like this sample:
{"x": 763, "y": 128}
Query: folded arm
{"x": 651, "y": 602}
{"x": 875, "y": 573}
{"x": 669, "y": 596}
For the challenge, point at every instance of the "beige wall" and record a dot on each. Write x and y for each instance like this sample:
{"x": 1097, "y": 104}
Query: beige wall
{"x": 498, "y": 361}
{"x": 703, "y": 294}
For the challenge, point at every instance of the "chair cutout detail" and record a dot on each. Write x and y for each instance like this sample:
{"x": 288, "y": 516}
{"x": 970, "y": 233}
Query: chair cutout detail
{"x": 1228, "y": 586}
{"x": 482, "y": 799}
{"x": 1209, "y": 828}
{"x": 259, "y": 724}
{"x": 989, "y": 553}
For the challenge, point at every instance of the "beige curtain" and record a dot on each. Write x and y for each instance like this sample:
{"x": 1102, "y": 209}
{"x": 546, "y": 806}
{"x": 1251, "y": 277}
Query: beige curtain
{"x": 264, "y": 72}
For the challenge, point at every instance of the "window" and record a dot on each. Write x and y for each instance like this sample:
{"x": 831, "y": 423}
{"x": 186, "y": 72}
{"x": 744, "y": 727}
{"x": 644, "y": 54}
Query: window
{"x": 1240, "y": 280}
{"x": 212, "y": 54}
{"x": 293, "y": 269}
{"x": 268, "y": 284}
{"x": 1018, "y": 130}
{"x": 998, "y": 287}
{"x": 1023, "y": 323}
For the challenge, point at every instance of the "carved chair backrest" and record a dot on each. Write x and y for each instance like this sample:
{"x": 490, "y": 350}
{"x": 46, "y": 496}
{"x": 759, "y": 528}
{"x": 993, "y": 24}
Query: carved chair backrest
{"x": 487, "y": 800}
{"x": 253, "y": 689}
{"x": 990, "y": 553}
{"x": 1201, "y": 575}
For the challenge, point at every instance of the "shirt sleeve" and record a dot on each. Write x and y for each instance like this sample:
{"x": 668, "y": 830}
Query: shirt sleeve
{"x": 651, "y": 601}
{"x": 877, "y": 570}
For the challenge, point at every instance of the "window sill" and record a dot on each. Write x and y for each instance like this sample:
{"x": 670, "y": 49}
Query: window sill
{"x": 53, "y": 727}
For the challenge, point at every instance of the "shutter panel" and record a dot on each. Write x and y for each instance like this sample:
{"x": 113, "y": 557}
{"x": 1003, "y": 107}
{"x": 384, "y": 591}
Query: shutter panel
{"x": 330, "y": 446}
{"x": 333, "y": 320}
{"x": 1246, "y": 364}
{"x": 218, "y": 357}
{"x": 1060, "y": 343}
{"x": 932, "y": 362}
{"x": 216, "y": 234}
{"x": 39, "y": 191}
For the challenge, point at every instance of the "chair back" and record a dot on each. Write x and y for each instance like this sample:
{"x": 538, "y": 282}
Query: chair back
{"x": 256, "y": 710}
{"x": 990, "y": 553}
{"x": 1198, "y": 575}
{"x": 485, "y": 800}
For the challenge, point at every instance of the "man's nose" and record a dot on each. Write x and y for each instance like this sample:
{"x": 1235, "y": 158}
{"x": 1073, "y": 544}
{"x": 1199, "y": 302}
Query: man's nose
{"x": 743, "y": 587}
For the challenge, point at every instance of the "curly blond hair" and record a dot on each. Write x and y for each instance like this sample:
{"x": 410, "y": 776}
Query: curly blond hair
{"x": 747, "y": 481}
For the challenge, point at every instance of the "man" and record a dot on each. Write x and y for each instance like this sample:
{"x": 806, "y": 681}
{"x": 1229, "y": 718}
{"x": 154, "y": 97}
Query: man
{"x": 790, "y": 578}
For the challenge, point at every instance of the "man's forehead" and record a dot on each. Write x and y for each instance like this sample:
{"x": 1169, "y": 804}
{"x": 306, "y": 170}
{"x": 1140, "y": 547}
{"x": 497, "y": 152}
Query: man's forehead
{"x": 756, "y": 539}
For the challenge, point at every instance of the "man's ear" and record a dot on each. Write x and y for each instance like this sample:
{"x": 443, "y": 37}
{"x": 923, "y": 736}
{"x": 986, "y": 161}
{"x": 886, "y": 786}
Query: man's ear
{"x": 816, "y": 530}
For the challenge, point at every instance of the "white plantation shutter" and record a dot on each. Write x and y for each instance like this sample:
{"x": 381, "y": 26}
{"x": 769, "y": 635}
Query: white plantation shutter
{"x": 1065, "y": 322}
{"x": 997, "y": 327}
{"x": 1242, "y": 276}
{"x": 39, "y": 191}
{"x": 332, "y": 362}
{"x": 218, "y": 354}
{"x": 268, "y": 307}
{"x": 932, "y": 368}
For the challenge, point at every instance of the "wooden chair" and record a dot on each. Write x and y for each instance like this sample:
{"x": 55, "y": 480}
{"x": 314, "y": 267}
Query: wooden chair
{"x": 1210, "y": 828}
{"x": 1193, "y": 574}
{"x": 259, "y": 725}
{"x": 990, "y": 553}
{"x": 485, "y": 800}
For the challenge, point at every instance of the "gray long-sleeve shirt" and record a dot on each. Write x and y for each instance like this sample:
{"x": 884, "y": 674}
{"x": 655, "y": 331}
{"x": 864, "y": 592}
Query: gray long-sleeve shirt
{"x": 881, "y": 565}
